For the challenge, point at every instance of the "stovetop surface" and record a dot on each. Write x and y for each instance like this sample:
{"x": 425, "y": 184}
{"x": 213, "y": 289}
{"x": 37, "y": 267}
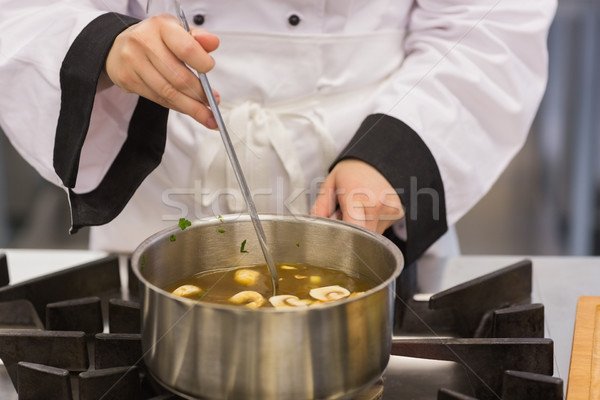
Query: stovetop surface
{"x": 558, "y": 282}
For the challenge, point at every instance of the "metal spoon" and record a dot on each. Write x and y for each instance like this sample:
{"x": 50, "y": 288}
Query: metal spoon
{"x": 237, "y": 169}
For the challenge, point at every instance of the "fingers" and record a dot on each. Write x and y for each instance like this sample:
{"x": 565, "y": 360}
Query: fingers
{"x": 364, "y": 196}
{"x": 357, "y": 207}
{"x": 326, "y": 202}
{"x": 351, "y": 205}
{"x": 176, "y": 74}
{"x": 337, "y": 214}
{"x": 149, "y": 82}
{"x": 391, "y": 210}
{"x": 369, "y": 209}
{"x": 187, "y": 48}
{"x": 179, "y": 50}
{"x": 170, "y": 97}
{"x": 208, "y": 41}
{"x": 151, "y": 59}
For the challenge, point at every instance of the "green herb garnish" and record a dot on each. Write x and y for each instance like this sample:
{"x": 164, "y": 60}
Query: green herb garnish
{"x": 242, "y": 249}
{"x": 220, "y": 218}
{"x": 184, "y": 223}
{"x": 172, "y": 238}
{"x": 297, "y": 244}
{"x": 222, "y": 230}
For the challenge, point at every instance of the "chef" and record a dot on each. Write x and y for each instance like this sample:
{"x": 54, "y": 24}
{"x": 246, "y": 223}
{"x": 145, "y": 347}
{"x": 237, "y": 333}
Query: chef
{"x": 393, "y": 115}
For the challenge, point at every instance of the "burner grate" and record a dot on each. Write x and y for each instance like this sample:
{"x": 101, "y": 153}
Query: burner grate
{"x": 72, "y": 358}
{"x": 75, "y": 315}
{"x": 98, "y": 278}
{"x": 484, "y": 360}
{"x": 497, "y": 330}
{"x": 67, "y": 350}
{"x": 4, "y": 278}
{"x": 35, "y": 379}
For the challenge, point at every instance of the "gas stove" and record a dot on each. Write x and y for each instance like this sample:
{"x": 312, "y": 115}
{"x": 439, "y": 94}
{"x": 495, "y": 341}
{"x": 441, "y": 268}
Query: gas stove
{"x": 465, "y": 328}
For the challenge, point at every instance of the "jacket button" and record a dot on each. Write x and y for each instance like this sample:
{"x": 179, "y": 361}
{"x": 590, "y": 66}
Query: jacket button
{"x": 294, "y": 20}
{"x": 198, "y": 19}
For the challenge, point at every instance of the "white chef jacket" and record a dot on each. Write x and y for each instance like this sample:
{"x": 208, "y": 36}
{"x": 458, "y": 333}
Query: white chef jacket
{"x": 456, "y": 82}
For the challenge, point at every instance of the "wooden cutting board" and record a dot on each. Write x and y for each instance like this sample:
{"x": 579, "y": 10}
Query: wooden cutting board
{"x": 584, "y": 373}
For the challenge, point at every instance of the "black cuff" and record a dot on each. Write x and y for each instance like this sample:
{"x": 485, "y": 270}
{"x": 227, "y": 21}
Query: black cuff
{"x": 405, "y": 161}
{"x": 146, "y": 136}
{"x": 141, "y": 154}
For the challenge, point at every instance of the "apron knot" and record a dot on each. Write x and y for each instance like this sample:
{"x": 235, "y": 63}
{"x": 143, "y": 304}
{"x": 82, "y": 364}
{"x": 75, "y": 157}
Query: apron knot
{"x": 267, "y": 151}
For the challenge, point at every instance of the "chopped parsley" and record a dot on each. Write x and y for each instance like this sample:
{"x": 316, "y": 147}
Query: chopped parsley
{"x": 172, "y": 238}
{"x": 242, "y": 249}
{"x": 184, "y": 223}
{"x": 220, "y": 217}
{"x": 297, "y": 244}
{"x": 222, "y": 230}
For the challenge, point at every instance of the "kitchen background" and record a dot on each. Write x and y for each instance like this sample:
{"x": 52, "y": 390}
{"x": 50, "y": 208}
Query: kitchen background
{"x": 546, "y": 202}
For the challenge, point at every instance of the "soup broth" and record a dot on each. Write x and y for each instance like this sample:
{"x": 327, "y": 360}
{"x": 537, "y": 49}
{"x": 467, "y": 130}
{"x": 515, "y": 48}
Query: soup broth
{"x": 246, "y": 285}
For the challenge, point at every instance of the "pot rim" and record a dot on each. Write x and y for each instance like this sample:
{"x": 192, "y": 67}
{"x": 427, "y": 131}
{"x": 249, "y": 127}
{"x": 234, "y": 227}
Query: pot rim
{"x": 208, "y": 221}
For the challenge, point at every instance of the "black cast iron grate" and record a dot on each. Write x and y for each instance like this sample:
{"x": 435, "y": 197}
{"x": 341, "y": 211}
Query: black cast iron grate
{"x": 489, "y": 326}
{"x": 52, "y": 341}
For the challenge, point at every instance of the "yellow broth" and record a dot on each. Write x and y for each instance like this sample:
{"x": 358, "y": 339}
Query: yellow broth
{"x": 294, "y": 279}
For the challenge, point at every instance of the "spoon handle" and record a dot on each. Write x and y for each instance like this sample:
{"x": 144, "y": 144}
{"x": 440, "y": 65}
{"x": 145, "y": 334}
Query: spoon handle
{"x": 237, "y": 169}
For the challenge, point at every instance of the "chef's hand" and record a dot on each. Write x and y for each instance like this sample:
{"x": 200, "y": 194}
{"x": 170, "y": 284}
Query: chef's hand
{"x": 149, "y": 59}
{"x": 364, "y": 196}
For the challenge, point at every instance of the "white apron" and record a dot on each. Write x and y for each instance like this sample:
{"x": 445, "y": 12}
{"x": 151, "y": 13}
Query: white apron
{"x": 287, "y": 127}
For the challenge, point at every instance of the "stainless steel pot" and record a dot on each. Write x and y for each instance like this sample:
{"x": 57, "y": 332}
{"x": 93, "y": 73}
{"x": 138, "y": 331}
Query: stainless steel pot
{"x": 211, "y": 351}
